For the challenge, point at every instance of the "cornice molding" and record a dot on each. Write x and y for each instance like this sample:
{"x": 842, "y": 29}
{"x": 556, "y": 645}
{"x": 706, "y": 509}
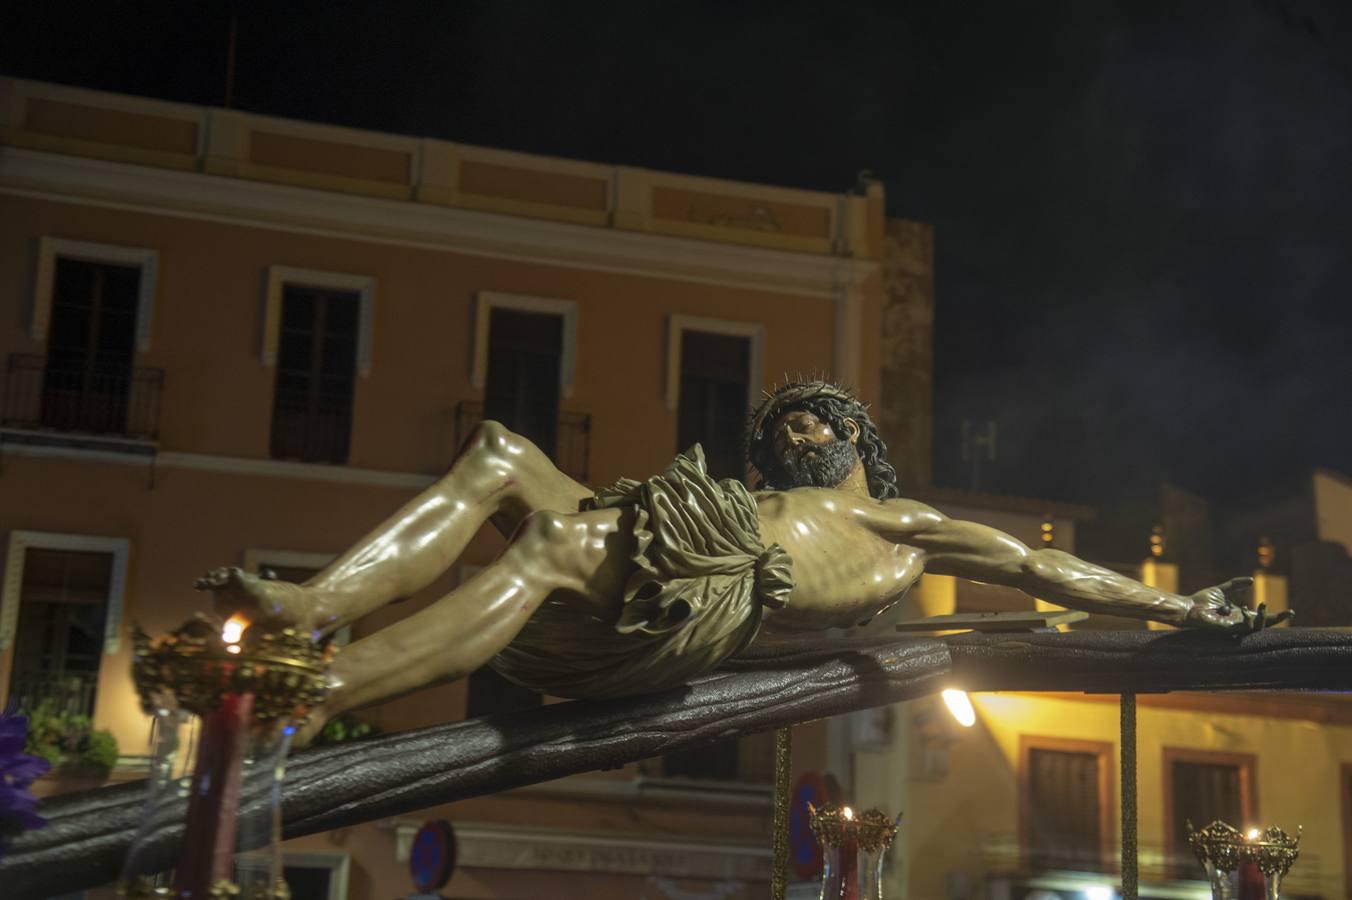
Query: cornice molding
{"x": 230, "y": 465}
{"x": 487, "y": 846}
{"x": 238, "y": 201}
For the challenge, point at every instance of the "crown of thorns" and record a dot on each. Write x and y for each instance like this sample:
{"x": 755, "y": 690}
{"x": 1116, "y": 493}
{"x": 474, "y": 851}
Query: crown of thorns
{"x": 792, "y": 394}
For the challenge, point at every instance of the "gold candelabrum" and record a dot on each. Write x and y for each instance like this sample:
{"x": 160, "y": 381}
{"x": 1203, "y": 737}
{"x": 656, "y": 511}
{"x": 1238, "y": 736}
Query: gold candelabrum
{"x": 853, "y": 848}
{"x": 250, "y": 687}
{"x": 1230, "y": 856}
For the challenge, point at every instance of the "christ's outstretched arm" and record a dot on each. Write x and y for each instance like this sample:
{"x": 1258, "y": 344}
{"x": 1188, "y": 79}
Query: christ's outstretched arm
{"x": 981, "y": 553}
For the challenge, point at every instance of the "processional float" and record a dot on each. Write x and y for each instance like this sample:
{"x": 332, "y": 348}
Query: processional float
{"x": 664, "y": 607}
{"x": 89, "y": 834}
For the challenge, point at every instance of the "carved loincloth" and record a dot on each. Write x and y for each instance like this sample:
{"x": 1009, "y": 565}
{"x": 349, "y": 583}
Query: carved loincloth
{"x": 695, "y": 598}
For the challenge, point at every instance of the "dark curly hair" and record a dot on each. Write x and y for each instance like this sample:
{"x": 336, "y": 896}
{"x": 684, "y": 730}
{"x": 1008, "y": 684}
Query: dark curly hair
{"x": 832, "y": 405}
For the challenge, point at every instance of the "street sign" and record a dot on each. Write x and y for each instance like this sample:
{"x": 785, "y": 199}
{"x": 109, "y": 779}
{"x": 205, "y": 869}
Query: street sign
{"x": 432, "y": 859}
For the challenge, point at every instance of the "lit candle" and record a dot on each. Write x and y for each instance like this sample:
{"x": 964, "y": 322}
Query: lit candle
{"x": 209, "y": 829}
{"x": 213, "y": 806}
{"x": 1252, "y": 884}
{"x": 849, "y": 857}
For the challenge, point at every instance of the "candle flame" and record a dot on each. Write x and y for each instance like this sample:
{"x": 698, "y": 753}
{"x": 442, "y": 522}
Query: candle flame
{"x": 847, "y": 813}
{"x": 1253, "y": 834}
{"x": 232, "y": 648}
{"x": 234, "y": 627}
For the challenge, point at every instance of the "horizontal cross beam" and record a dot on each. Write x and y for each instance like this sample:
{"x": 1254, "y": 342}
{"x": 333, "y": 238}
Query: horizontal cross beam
{"x": 777, "y": 684}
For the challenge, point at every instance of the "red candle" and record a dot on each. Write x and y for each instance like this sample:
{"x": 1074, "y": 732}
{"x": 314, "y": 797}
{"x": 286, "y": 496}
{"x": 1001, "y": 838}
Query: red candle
{"x": 1252, "y": 884}
{"x": 849, "y": 867}
{"x": 209, "y": 830}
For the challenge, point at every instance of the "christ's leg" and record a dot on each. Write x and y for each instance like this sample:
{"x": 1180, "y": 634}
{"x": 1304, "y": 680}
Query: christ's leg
{"x": 583, "y": 558}
{"x": 497, "y": 475}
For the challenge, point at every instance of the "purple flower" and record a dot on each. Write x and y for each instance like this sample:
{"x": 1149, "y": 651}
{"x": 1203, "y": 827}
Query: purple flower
{"x": 18, "y": 807}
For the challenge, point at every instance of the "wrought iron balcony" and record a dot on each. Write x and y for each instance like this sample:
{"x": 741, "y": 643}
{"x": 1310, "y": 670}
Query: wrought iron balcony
{"x": 571, "y": 441}
{"x": 65, "y": 693}
{"x": 48, "y": 394}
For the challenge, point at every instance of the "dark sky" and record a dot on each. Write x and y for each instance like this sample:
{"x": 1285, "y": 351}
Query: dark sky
{"x": 1143, "y": 210}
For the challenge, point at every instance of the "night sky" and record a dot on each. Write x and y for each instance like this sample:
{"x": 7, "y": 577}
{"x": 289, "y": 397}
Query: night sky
{"x": 1143, "y": 210}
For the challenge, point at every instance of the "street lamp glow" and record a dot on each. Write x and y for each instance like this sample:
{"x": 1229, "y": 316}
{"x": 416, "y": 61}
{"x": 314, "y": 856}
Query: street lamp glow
{"x": 960, "y": 707}
{"x": 1099, "y": 892}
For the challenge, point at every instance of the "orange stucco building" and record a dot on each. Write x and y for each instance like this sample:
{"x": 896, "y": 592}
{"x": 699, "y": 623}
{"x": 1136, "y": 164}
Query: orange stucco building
{"x": 233, "y": 339}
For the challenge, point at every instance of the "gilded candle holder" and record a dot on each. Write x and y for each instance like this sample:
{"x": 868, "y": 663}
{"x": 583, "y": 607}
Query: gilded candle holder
{"x": 1223, "y": 849}
{"x": 259, "y": 685}
{"x": 853, "y": 849}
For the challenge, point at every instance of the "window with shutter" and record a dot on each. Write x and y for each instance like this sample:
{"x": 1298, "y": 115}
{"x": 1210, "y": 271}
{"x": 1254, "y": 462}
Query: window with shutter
{"x": 715, "y": 372}
{"x": 522, "y": 386}
{"x": 1204, "y": 786}
{"x": 90, "y": 345}
{"x": 316, "y": 374}
{"x": 1066, "y": 813}
{"x": 58, "y": 642}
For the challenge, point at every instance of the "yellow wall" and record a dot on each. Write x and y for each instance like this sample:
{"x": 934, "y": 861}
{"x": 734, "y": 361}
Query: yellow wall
{"x": 968, "y": 820}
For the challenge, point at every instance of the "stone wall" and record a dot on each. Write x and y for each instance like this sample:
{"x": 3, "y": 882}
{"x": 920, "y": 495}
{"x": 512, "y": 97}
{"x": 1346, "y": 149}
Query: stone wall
{"x": 905, "y": 411}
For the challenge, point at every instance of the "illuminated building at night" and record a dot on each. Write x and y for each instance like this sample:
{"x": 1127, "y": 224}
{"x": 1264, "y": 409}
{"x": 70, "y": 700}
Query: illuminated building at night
{"x": 218, "y": 322}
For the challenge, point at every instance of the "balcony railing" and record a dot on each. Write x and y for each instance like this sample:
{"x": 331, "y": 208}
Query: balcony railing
{"x": 572, "y": 445}
{"x": 46, "y": 394}
{"x": 68, "y": 693}
{"x": 312, "y": 428}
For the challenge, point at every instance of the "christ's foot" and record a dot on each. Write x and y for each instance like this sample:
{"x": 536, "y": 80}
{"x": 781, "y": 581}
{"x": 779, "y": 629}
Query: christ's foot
{"x": 258, "y": 599}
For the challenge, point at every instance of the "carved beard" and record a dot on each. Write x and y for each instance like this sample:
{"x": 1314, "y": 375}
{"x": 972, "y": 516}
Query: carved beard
{"x": 828, "y": 467}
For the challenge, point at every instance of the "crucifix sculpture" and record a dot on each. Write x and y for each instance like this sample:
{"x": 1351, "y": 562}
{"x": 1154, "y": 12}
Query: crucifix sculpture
{"x": 644, "y": 585}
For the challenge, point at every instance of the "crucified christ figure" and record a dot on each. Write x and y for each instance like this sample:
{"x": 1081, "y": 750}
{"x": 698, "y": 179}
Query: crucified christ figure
{"x": 644, "y": 585}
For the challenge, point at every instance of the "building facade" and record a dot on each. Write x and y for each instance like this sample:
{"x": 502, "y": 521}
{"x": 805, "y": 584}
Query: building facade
{"x": 234, "y": 339}
{"x": 1026, "y": 802}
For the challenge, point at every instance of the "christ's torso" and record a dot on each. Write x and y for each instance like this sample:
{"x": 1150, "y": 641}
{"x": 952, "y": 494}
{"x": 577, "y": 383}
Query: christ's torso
{"x": 844, "y": 571}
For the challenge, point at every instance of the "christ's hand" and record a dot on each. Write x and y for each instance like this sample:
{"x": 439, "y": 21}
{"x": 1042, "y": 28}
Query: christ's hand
{"x": 1222, "y": 608}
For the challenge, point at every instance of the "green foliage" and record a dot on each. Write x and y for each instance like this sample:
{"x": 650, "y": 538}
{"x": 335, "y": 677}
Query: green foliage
{"x": 49, "y": 752}
{"x": 66, "y": 738}
{"x": 99, "y": 751}
{"x": 344, "y": 728}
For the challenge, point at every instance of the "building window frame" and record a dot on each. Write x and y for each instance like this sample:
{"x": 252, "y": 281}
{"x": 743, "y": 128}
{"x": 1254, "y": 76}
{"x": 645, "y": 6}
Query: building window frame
{"x": 1104, "y": 751}
{"x": 338, "y": 865}
{"x": 364, "y": 286}
{"x": 11, "y": 592}
{"x": 487, "y": 301}
{"x": 51, "y": 249}
{"x": 678, "y": 324}
{"x": 1247, "y": 763}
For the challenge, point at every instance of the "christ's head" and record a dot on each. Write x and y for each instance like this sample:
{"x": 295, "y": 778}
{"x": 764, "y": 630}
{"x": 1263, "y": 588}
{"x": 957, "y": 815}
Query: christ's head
{"x": 814, "y": 434}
